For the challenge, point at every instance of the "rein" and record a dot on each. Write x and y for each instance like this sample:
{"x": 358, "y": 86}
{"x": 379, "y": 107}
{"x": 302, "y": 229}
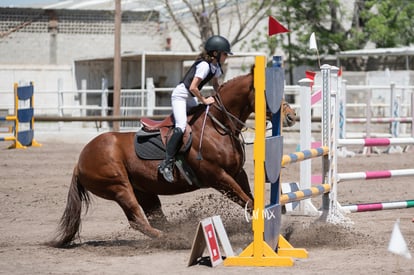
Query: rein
{"x": 232, "y": 130}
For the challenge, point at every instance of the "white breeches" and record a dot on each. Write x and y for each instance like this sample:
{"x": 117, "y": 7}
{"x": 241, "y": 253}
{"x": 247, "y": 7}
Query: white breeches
{"x": 182, "y": 101}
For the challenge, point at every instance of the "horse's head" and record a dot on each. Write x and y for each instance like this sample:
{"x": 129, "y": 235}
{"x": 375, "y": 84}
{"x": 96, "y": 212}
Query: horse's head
{"x": 288, "y": 115}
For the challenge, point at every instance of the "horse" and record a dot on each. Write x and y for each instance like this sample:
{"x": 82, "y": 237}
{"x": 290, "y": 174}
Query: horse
{"x": 109, "y": 167}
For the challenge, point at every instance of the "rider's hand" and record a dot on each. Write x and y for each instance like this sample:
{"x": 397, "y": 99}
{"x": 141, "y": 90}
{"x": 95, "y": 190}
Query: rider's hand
{"x": 209, "y": 100}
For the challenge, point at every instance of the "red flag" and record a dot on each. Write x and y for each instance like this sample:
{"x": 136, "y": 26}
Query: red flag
{"x": 275, "y": 27}
{"x": 310, "y": 75}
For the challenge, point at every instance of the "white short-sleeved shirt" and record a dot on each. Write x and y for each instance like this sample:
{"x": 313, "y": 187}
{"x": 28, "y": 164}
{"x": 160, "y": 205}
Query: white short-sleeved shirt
{"x": 181, "y": 98}
{"x": 203, "y": 68}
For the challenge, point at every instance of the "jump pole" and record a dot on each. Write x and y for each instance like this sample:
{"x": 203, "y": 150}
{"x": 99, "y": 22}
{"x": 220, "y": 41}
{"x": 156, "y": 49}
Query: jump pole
{"x": 369, "y": 175}
{"x": 259, "y": 253}
{"x": 304, "y": 155}
{"x": 304, "y": 193}
{"x": 336, "y": 210}
{"x": 376, "y": 141}
{"x": 380, "y": 120}
{"x": 377, "y": 206}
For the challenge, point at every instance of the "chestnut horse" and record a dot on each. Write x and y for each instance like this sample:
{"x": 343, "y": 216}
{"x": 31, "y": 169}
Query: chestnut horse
{"x": 108, "y": 166}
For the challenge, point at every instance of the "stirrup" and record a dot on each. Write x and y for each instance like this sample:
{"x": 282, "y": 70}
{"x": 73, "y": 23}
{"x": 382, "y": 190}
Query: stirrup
{"x": 166, "y": 170}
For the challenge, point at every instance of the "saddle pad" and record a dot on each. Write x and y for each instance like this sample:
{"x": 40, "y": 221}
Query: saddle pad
{"x": 149, "y": 146}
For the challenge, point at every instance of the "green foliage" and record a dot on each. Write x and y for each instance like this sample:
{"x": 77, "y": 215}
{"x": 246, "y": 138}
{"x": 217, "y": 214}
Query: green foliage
{"x": 390, "y": 23}
{"x": 385, "y": 23}
{"x": 339, "y": 25}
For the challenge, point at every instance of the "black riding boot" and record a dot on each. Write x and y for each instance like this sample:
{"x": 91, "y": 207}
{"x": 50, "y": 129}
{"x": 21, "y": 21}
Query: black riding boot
{"x": 173, "y": 145}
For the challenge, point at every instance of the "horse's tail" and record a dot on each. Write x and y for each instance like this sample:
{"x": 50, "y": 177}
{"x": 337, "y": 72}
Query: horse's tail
{"x": 70, "y": 221}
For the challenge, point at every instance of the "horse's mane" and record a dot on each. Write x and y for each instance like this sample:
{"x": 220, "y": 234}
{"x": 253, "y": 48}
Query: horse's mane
{"x": 237, "y": 79}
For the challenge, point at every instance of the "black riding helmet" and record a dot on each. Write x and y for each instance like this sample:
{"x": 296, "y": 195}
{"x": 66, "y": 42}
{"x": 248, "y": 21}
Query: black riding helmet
{"x": 220, "y": 45}
{"x": 217, "y": 43}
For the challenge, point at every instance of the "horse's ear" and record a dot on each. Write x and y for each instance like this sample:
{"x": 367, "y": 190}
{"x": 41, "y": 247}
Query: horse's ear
{"x": 252, "y": 69}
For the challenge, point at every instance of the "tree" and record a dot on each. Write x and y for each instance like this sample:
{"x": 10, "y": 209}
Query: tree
{"x": 389, "y": 23}
{"x": 338, "y": 25}
{"x": 384, "y": 23}
{"x": 206, "y": 17}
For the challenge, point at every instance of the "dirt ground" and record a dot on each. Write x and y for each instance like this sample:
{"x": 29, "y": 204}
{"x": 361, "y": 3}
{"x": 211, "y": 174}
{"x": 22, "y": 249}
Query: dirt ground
{"x": 34, "y": 184}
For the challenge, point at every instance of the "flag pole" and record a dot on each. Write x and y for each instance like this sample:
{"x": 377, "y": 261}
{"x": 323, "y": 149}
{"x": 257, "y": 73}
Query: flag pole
{"x": 319, "y": 59}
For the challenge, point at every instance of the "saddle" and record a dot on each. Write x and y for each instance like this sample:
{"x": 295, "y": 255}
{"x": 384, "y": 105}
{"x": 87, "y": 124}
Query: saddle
{"x": 151, "y": 139}
{"x": 150, "y": 143}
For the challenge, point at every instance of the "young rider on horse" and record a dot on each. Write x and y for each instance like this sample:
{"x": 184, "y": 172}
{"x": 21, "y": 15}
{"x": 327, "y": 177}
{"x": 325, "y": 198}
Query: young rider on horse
{"x": 207, "y": 67}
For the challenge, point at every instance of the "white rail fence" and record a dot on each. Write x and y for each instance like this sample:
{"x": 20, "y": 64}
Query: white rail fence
{"x": 56, "y": 106}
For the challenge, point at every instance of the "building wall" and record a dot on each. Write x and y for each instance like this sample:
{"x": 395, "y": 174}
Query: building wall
{"x": 45, "y": 78}
{"x": 36, "y": 36}
{"x": 164, "y": 73}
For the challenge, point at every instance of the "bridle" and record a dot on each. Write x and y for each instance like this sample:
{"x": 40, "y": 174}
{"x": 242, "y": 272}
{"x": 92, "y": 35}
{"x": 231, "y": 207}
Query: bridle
{"x": 232, "y": 129}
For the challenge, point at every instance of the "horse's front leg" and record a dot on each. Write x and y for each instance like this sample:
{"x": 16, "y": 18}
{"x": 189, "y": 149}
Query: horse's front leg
{"x": 237, "y": 189}
{"x": 243, "y": 181}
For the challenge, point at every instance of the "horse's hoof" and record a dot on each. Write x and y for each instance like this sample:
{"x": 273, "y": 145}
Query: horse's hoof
{"x": 161, "y": 234}
{"x": 288, "y": 232}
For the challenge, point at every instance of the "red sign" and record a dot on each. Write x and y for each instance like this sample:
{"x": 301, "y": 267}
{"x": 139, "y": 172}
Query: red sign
{"x": 212, "y": 240}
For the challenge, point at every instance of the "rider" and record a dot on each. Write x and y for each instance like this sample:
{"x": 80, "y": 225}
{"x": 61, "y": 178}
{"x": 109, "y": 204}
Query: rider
{"x": 206, "y": 67}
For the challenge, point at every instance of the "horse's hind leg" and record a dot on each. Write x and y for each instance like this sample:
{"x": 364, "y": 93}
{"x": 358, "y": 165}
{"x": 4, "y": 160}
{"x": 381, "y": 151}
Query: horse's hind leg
{"x": 135, "y": 214}
{"x": 151, "y": 205}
